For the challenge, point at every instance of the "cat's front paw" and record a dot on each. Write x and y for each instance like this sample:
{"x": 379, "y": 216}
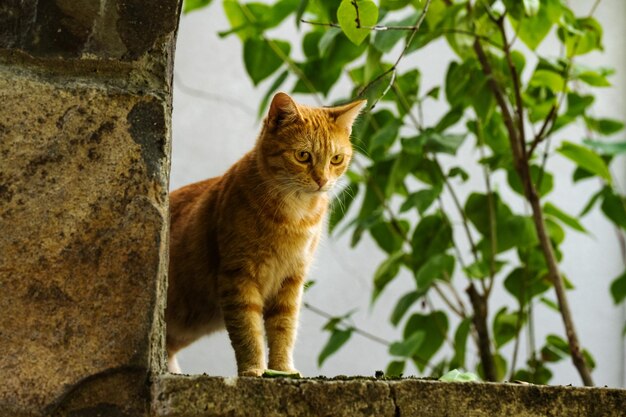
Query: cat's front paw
{"x": 252, "y": 372}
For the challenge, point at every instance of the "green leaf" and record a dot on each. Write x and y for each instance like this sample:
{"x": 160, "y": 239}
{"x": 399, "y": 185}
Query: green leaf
{"x": 385, "y": 273}
{"x": 251, "y": 19}
{"x": 390, "y": 236}
{"x": 440, "y": 266}
{"x": 580, "y": 36}
{"x": 604, "y": 126}
{"x": 405, "y": 91}
{"x": 409, "y": 346}
{"x": 578, "y": 104}
{"x": 555, "y": 349}
{"x": 586, "y": 159}
{"x": 549, "y": 79}
{"x": 552, "y": 210}
{"x": 421, "y": 200}
{"x": 591, "y": 203}
{"x": 550, "y": 304}
{"x": 536, "y": 175}
{"x": 482, "y": 268}
{"x": 458, "y": 172}
{"x": 337, "y": 339}
{"x": 393, "y": 4}
{"x": 536, "y": 374}
{"x": 451, "y": 118}
{"x": 191, "y": 5}
{"x": 261, "y": 59}
{"x": 433, "y": 235}
{"x": 270, "y": 92}
{"x": 385, "y": 40}
{"x": 505, "y": 326}
{"x": 434, "y": 93}
{"x": 618, "y": 289}
{"x": 555, "y": 231}
{"x": 327, "y": 40}
{"x": 435, "y": 327}
{"x": 384, "y": 137}
{"x": 300, "y": 12}
{"x": 403, "y": 164}
{"x": 477, "y": 209}
{"x": 524, "y": 285}
{"x": 352, "y": 25}
{"x": 403, "y": 304}
{"x": 341, "y": 204}
{"x": 457, "y": 376}
{"x": 606, "y": 148}
{"x": 589, "y": 359}
{"x": 531, "y": 7}
{"x": 534, "y": 26}
{"x": 270, "y": 373}
{"x": 614, "y": 207}
{"x": 595, "y": 77}
{"x": 239, "y": 22}
{"x": 460, "y": 343}
{"x": 395, "y": 368}
{"x": 439, "y": 142}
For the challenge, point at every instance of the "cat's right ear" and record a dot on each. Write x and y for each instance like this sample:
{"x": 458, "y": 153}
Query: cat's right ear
{"x": 283, "y": 110}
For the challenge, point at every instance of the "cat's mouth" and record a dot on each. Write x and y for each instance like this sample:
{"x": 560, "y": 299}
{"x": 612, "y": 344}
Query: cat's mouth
{"x": 313, "y": 190}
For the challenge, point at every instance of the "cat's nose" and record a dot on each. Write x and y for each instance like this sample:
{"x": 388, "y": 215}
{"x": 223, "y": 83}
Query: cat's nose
{"x": 321, "y": 182}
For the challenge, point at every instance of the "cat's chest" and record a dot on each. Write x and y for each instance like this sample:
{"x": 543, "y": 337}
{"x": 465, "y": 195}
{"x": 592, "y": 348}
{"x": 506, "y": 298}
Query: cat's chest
{"x": 288, "y": 255}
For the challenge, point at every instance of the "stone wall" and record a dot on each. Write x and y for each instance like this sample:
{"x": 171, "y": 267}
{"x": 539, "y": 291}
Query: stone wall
{"x": 85, "y": 93}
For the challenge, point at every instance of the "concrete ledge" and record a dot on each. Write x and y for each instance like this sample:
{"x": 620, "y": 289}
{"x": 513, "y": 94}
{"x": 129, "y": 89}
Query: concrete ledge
{"x": 195, "y": 396}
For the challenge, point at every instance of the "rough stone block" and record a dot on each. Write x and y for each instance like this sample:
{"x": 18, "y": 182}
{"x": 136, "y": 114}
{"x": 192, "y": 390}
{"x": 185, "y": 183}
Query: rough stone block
{"x": 120, "y": 29}
{"x": 203, "y": 396}
{"x": 83, "y": 215}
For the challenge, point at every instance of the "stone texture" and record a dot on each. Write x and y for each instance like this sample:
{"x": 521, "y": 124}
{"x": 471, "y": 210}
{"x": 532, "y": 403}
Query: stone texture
{"x": 202, "y": 396}
{"x": 178, "y": 396}
{"x": 120, "y": 29}
{"x": 85, "y": 90}
{"x": 83, "y": 213}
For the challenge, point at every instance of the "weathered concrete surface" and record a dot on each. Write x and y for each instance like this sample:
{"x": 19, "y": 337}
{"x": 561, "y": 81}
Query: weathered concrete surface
{"x": 202, "y": 396}
{"x": 85, "y": 91}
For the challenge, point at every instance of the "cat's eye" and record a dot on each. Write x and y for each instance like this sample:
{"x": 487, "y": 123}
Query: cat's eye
{"x": 303, "y": 156}
{"x": 337, "y": 159}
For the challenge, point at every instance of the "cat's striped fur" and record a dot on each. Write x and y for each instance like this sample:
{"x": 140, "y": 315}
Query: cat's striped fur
{"x": 241, "y": 244}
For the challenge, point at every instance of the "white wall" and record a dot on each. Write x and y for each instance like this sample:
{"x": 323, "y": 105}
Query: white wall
{"x": 215, "y": 122}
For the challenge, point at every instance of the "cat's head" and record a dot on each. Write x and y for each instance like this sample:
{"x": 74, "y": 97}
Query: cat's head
{"x": 307, "y": 148}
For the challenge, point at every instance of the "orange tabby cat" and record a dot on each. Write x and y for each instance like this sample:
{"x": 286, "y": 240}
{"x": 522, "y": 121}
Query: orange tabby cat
{"x": 241, "y": 244}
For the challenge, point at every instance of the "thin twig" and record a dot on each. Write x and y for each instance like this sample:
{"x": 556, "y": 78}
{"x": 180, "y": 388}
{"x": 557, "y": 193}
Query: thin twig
{"x": 406, "y": 28}
{"x": 394, "y": 67}
{"x": 209, "y": 96}
{"x": 356, "y": 9}
{"x": 362, "y": 332}
{"x": 543, "y": 132}
{"x": 517, "y": 89}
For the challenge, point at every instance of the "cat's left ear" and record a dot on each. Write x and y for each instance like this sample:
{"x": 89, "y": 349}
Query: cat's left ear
{"x": 346, "y": 115}
{"x": 283, "y": 110}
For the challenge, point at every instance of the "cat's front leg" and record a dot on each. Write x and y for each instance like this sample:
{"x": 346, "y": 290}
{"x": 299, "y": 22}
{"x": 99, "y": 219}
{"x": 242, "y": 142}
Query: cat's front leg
{"x": 281, "y": 324}
{"x": 242, "y": 308}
